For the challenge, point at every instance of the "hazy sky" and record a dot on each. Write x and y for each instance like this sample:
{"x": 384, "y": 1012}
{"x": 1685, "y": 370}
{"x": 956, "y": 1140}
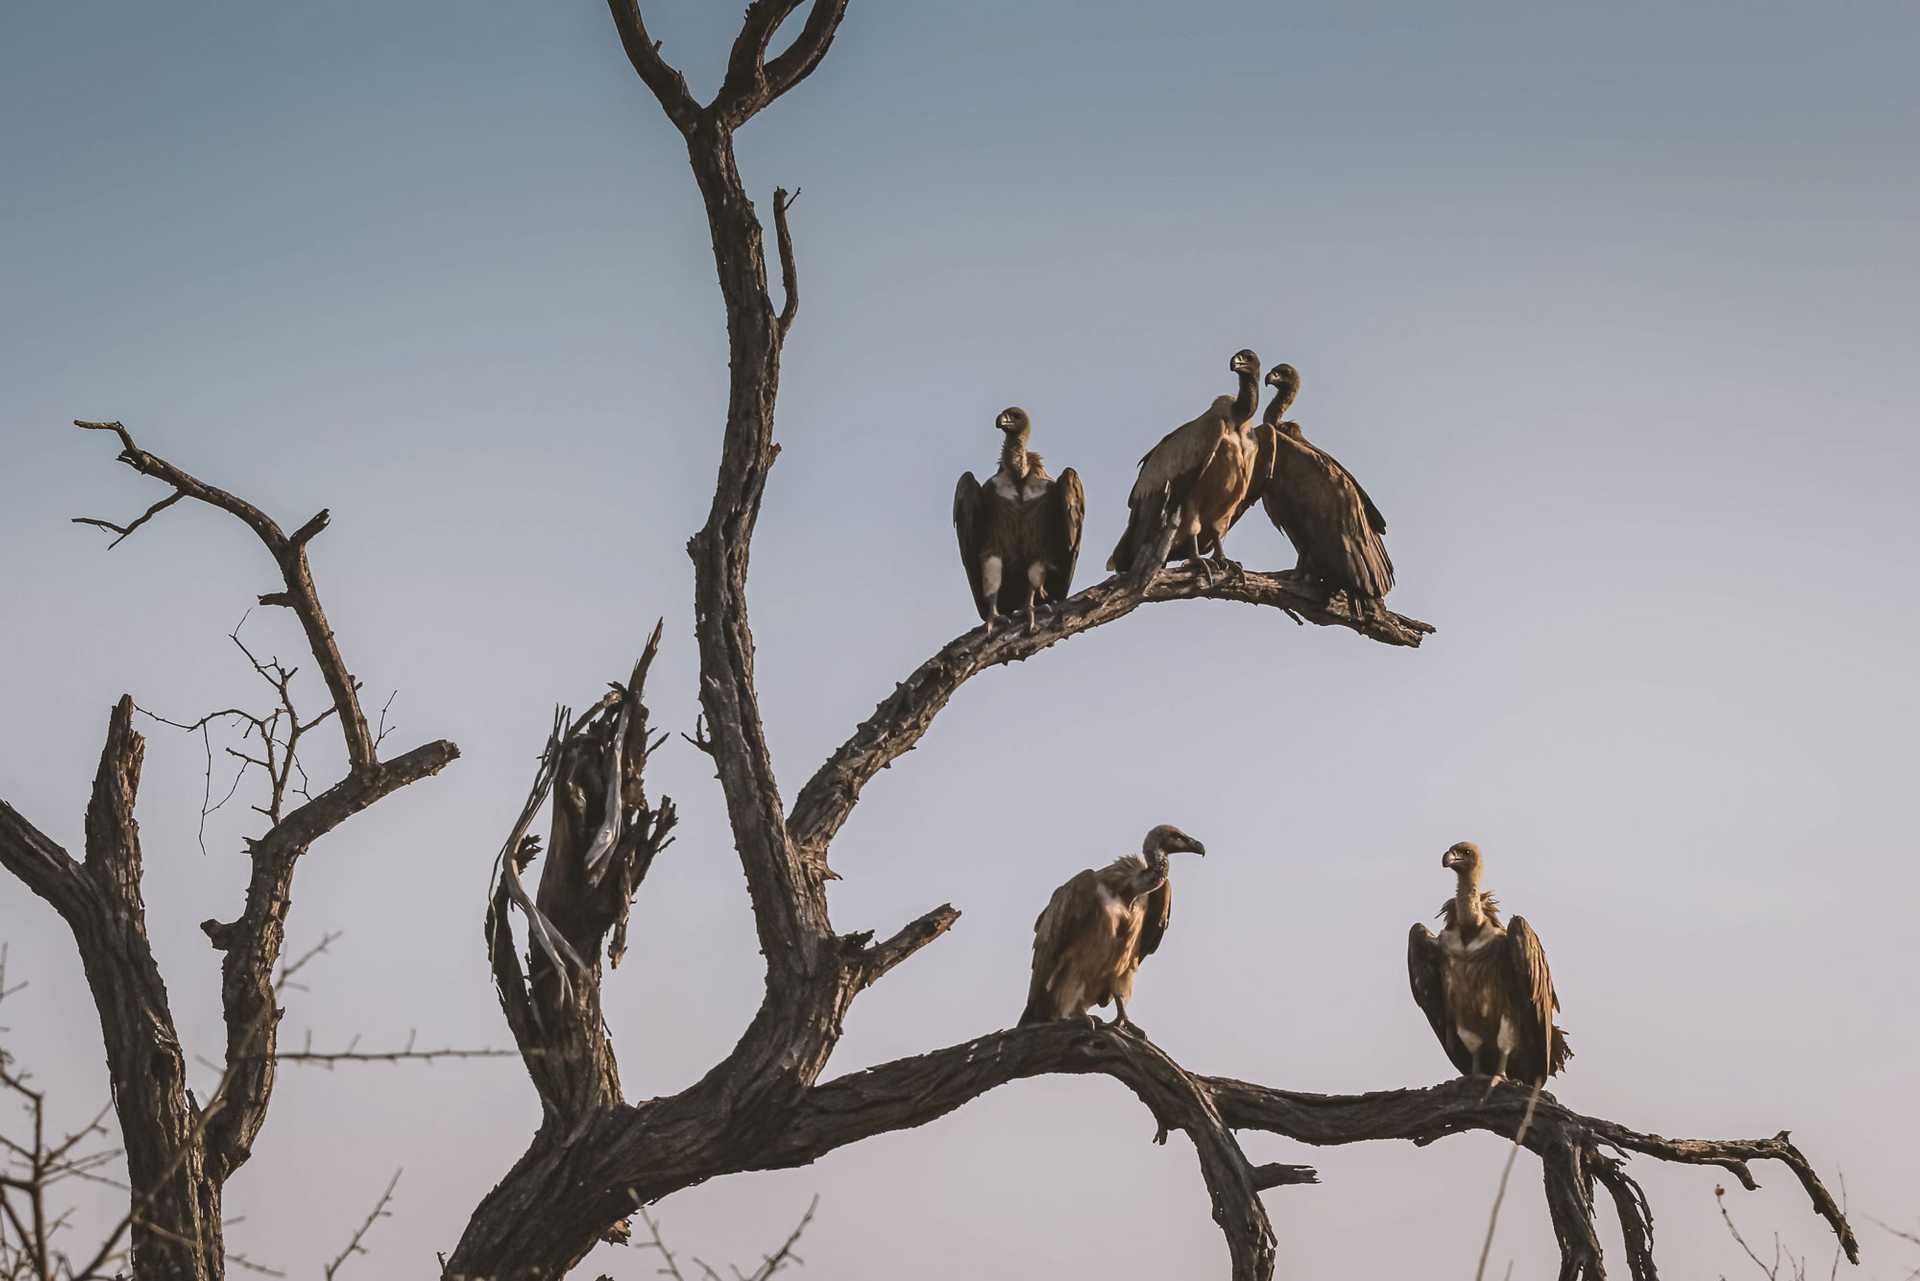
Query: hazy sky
{"x": 1611, "y": 307}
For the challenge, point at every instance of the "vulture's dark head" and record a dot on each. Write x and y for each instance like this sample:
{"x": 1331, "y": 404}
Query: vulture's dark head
{"x": 1286, "y": 378}
{"x": 1013, "y": 421}
{"x": 1168, "y": 839}
{"x": 1244, "y": 362}
{"x": 1462, "y": 857}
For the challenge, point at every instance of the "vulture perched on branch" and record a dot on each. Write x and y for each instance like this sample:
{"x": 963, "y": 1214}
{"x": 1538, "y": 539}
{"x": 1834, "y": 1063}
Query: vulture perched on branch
{"x": 1202, "y": 471}
{"x": 1485, "y": 988}
{"x": 1098, "y": 927}
{"x": 1019, "y": 532}
{"x": 1321, "y": 508}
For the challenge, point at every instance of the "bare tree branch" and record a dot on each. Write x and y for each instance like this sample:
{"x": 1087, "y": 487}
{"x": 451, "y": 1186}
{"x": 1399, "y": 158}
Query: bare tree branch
{"x": 290, "y": 554}
{"x": 643, "y": 51}
{"x": 354, "y": 1243}
{"x": 904, "y": 716}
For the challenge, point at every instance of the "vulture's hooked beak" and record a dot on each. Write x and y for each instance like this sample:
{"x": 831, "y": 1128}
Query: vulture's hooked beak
{"x": 1198, "y": 848}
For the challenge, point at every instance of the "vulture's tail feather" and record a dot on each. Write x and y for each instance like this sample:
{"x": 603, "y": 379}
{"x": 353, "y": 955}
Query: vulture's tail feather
{"x": 1559, "y": 1053}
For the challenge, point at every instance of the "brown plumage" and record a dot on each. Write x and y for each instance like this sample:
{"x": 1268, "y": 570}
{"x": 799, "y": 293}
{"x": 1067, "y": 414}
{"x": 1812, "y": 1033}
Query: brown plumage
{"x": 1204, "y": 469}
{"x": 1484, "y": 987}
{"x": 1321, "y": 508}
{"x": 1098, "y": 927}
{"x": 1020, "y": 532}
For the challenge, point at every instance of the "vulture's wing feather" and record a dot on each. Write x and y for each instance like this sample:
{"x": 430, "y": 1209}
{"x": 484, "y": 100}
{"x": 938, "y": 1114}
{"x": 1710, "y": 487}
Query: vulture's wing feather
{"x": 1426, "y": 964}
{"x": 1181, "y": 453}
{"x": 970, "y": 520}
{"x": 1069, "y": 502}
{"x": 1531, "y": 996}
{"x": 1317, "y": 504}
{"x": 1073, "y": 908}
{"x": 1169, "y": 468}
{"x": 1159, "y": 911}
{"x": 1266, "y": 446}
{"x": 1375, "y": 520}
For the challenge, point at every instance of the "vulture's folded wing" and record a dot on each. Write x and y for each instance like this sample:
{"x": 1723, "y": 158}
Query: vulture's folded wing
{"x": 1074, "y": 908}
{"x": 1159, "y": 912}
{"x": 1530, "y": 988}
{"x": 1181, "y": 453}
{"x": 1426, "y": 966}
{"x": 1069, "y": 503}
{"x": 1317, "y": 505}
{"x": 1266, "y": 445}
{"x": 970, "y": 524}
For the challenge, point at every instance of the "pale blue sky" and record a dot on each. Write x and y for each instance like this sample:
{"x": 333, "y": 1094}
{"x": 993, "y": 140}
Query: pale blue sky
{"x": 1612, "y": 309}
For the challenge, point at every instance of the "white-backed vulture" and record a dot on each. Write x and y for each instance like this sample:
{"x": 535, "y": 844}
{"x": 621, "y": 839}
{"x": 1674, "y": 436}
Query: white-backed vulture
{"x": 1485, "y": 987}
{"x": 1203, "y": 470}
{"x": 1321, "y": 508}
{"x": 1098, "y": 927}
{"x": 1020, "y": 532}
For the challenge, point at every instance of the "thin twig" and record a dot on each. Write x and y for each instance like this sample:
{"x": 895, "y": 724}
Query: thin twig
{"x": 378, "y": 1213}
{"x": 1506, "y": 1173}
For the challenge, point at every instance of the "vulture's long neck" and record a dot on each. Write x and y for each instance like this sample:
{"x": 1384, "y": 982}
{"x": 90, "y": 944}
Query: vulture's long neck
{"x": 1248, "y": 401}
{"x": 1013, "y": 454}
{"x": 1468, "y": 914}
{"x": 1276, "y": 407}
{"x": 1147, "y": 879}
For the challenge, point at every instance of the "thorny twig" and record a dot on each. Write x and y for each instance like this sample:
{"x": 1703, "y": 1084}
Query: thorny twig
{"x": 277, "y": 733}
{"x": 769, "y": 1264}
{"x": 378, "y": 1213}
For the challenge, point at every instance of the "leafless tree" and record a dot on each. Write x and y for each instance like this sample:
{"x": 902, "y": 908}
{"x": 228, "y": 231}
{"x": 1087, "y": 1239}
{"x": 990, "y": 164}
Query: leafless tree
{"x": 596, "y": 1158}
{"x": 179, "y": 1151}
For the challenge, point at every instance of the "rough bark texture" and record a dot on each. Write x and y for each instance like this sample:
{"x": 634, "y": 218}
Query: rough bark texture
{"x": 180, "y": 1152}
{"x": 596, "y": 1157}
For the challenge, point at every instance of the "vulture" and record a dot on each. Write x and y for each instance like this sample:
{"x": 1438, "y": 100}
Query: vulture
{"x": 1321, "y": 508}
{"x": 1019, "y": 532}
{"x": 1204, "y": 470}
{"x": 1484, "y": 987}
{"x": 1098, "y": 927}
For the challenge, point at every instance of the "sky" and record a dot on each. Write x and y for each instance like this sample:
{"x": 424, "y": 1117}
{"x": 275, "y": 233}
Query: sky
{"x": 1612, "y": 308}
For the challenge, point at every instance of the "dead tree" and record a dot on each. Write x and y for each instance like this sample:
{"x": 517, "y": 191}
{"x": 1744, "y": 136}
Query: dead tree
{"x": 180, "y": 1151}
{"x": 596, "y": 1158}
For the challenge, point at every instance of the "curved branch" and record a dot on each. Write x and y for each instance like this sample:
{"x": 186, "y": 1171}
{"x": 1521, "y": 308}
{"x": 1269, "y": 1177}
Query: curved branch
{"x": 904, "y": 716}
{"x": 643, "y": 51}
{"x": 1574, "y": 1148}
{"x": 808, "y": 48}
{"x": 289, "y": 552}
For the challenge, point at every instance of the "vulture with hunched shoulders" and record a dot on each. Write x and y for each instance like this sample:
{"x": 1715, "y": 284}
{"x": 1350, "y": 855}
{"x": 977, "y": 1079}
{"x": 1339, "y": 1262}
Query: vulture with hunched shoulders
{"x": 1020, "y": 532}
{"x": 1203, "y": 471}
{"x": 1098, "y": 927}
{"x": 1485, "y": 987}
{"x": 1322, "y": 509}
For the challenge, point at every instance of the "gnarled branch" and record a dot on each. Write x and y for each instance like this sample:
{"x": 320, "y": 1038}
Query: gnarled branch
{"x": 904, "y": 716}
{"x": 288, "y": 552}
{"x": 1575, "y": 1149}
